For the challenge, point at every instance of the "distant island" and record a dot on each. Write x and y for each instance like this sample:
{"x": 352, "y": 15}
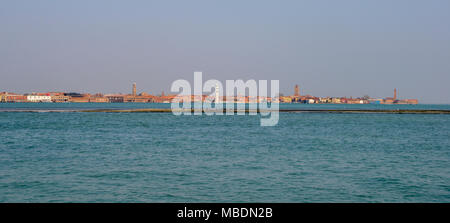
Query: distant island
{"x": 61, "y": 97}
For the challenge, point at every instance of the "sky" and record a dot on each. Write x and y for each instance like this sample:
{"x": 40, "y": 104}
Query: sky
{"x": 329, "y": 48}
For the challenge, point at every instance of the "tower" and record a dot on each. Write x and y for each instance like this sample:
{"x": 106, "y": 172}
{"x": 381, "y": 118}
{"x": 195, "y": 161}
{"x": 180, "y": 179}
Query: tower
{"x": 217, "y": 99}
{"x": 134, "y": 89}
{"x": 395, "y": 93}
{"x": 297, "y": 91}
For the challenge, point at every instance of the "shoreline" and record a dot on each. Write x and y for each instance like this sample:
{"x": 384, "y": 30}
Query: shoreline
{"x": 165, "y": 110}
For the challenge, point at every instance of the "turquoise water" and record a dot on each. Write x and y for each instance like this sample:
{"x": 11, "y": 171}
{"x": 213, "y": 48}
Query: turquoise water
{"x": 159, "y": 157}
{"x": 86, "y": 106}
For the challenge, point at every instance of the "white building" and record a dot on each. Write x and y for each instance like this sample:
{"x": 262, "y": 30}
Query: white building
{"x": 39, "y": 98}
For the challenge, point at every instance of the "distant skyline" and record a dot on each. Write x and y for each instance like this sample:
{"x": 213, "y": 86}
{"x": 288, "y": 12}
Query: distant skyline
{"x": 329, "y": 48}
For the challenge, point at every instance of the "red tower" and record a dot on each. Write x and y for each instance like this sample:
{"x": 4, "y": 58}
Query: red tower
{"x": 297, "y": 91}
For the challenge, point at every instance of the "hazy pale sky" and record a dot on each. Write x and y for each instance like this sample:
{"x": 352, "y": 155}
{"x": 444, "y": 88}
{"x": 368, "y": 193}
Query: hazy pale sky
{"x": 329, "y": 48}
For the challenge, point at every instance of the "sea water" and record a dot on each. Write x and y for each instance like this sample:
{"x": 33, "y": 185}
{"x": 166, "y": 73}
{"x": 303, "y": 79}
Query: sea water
{"x": 160, "y": 157}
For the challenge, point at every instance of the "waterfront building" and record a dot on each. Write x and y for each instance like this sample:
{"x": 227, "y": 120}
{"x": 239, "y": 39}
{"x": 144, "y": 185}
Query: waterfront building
{"x": 165, "y": 99}
{"x": 115, "y": 98}
{"x": 325, "y": 100}
{"x": 3, "y": 97}
{"x": 395, "y": 100}
{"x": 335, "y": 100}
{"x": 39, "y": 98}
{"x": 285, "y": 99}
{"x": 98, "y": 98}
{"x": 81, "y": 98}
{"x": 60, "y": 98}
{"x": 133, "y": 97}
{"x": 375, "y": 100}
{"x": 11, "y": 97}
